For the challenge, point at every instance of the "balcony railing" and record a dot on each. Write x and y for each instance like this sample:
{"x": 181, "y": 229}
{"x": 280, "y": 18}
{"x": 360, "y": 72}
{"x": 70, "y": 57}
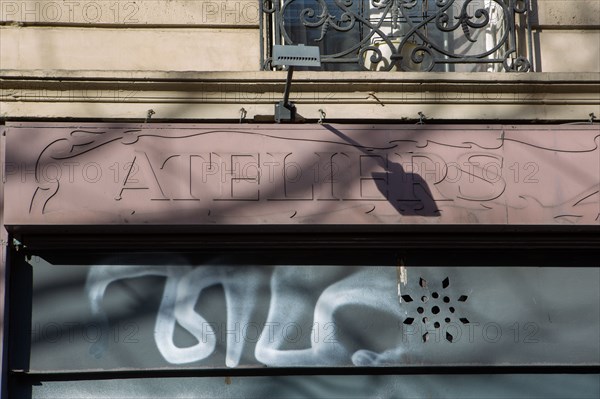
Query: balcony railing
{"x": 404, "y": 35}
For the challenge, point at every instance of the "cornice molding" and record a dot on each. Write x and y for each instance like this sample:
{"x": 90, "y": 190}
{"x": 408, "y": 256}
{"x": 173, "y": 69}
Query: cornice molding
{"x": 316, "y": 76}
{"x": 347, "y": 95}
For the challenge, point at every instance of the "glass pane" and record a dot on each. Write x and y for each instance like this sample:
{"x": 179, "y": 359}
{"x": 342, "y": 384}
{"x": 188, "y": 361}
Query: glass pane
{"x": 283, "y": 309}
{"x": 328, "y": 24}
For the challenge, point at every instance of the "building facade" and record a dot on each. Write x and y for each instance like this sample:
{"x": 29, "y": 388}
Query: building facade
{"x": 425, "y": 225}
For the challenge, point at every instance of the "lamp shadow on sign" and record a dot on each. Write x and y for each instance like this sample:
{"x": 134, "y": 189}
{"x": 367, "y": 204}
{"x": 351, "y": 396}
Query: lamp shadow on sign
{"x": 408, "y": 193}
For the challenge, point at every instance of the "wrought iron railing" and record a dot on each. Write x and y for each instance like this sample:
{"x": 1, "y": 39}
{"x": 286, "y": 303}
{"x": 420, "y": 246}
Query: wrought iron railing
{"x": 403, "y": 35}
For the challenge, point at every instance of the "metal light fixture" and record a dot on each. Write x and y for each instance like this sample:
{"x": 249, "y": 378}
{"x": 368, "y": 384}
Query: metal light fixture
{"x": 292, "y": 56}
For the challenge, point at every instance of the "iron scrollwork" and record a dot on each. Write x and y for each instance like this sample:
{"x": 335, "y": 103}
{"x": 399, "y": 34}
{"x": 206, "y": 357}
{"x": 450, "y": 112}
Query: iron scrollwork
{"x": 405, "y": 35}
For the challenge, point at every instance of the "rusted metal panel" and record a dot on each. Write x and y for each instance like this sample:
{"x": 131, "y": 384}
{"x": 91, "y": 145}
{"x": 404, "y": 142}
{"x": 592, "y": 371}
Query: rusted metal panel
{"x": 161, "y": 174}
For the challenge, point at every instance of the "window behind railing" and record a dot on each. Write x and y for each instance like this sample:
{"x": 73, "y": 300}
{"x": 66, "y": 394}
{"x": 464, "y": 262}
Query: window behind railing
{"x": 404, "y": 35}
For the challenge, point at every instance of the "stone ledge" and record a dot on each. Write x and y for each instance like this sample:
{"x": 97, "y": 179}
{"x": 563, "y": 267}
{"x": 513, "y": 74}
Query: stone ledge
{"x": 304, "y": 76}
{"x": 343, "y": 96}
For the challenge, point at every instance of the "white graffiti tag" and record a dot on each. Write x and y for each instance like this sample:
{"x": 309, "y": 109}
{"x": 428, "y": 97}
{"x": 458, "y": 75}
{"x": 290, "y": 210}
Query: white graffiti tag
{"x": 302, "y": 295}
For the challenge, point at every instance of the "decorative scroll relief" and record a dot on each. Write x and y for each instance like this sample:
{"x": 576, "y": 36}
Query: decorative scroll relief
{"x": 309, "y": 174}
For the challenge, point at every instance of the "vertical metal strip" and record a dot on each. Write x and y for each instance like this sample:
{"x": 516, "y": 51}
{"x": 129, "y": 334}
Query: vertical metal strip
{"x": 3, "y": 268}
{"x": 277, "y": 20}
{"x": 261, "y": 16}
{"x": 513, "y": 30}
{"x": 530, "y": 38}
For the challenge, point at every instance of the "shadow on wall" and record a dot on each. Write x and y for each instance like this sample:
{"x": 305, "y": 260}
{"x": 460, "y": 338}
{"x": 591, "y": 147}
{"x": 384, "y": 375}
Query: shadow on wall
{"x": 409, "y": 198}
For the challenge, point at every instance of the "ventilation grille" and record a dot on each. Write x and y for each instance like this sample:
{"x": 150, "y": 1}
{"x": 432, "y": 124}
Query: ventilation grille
{"x": 435, "y": 310}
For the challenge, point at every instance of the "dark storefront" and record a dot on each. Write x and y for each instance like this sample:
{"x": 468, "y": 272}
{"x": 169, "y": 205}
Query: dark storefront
{"x": 181, "y": 260}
